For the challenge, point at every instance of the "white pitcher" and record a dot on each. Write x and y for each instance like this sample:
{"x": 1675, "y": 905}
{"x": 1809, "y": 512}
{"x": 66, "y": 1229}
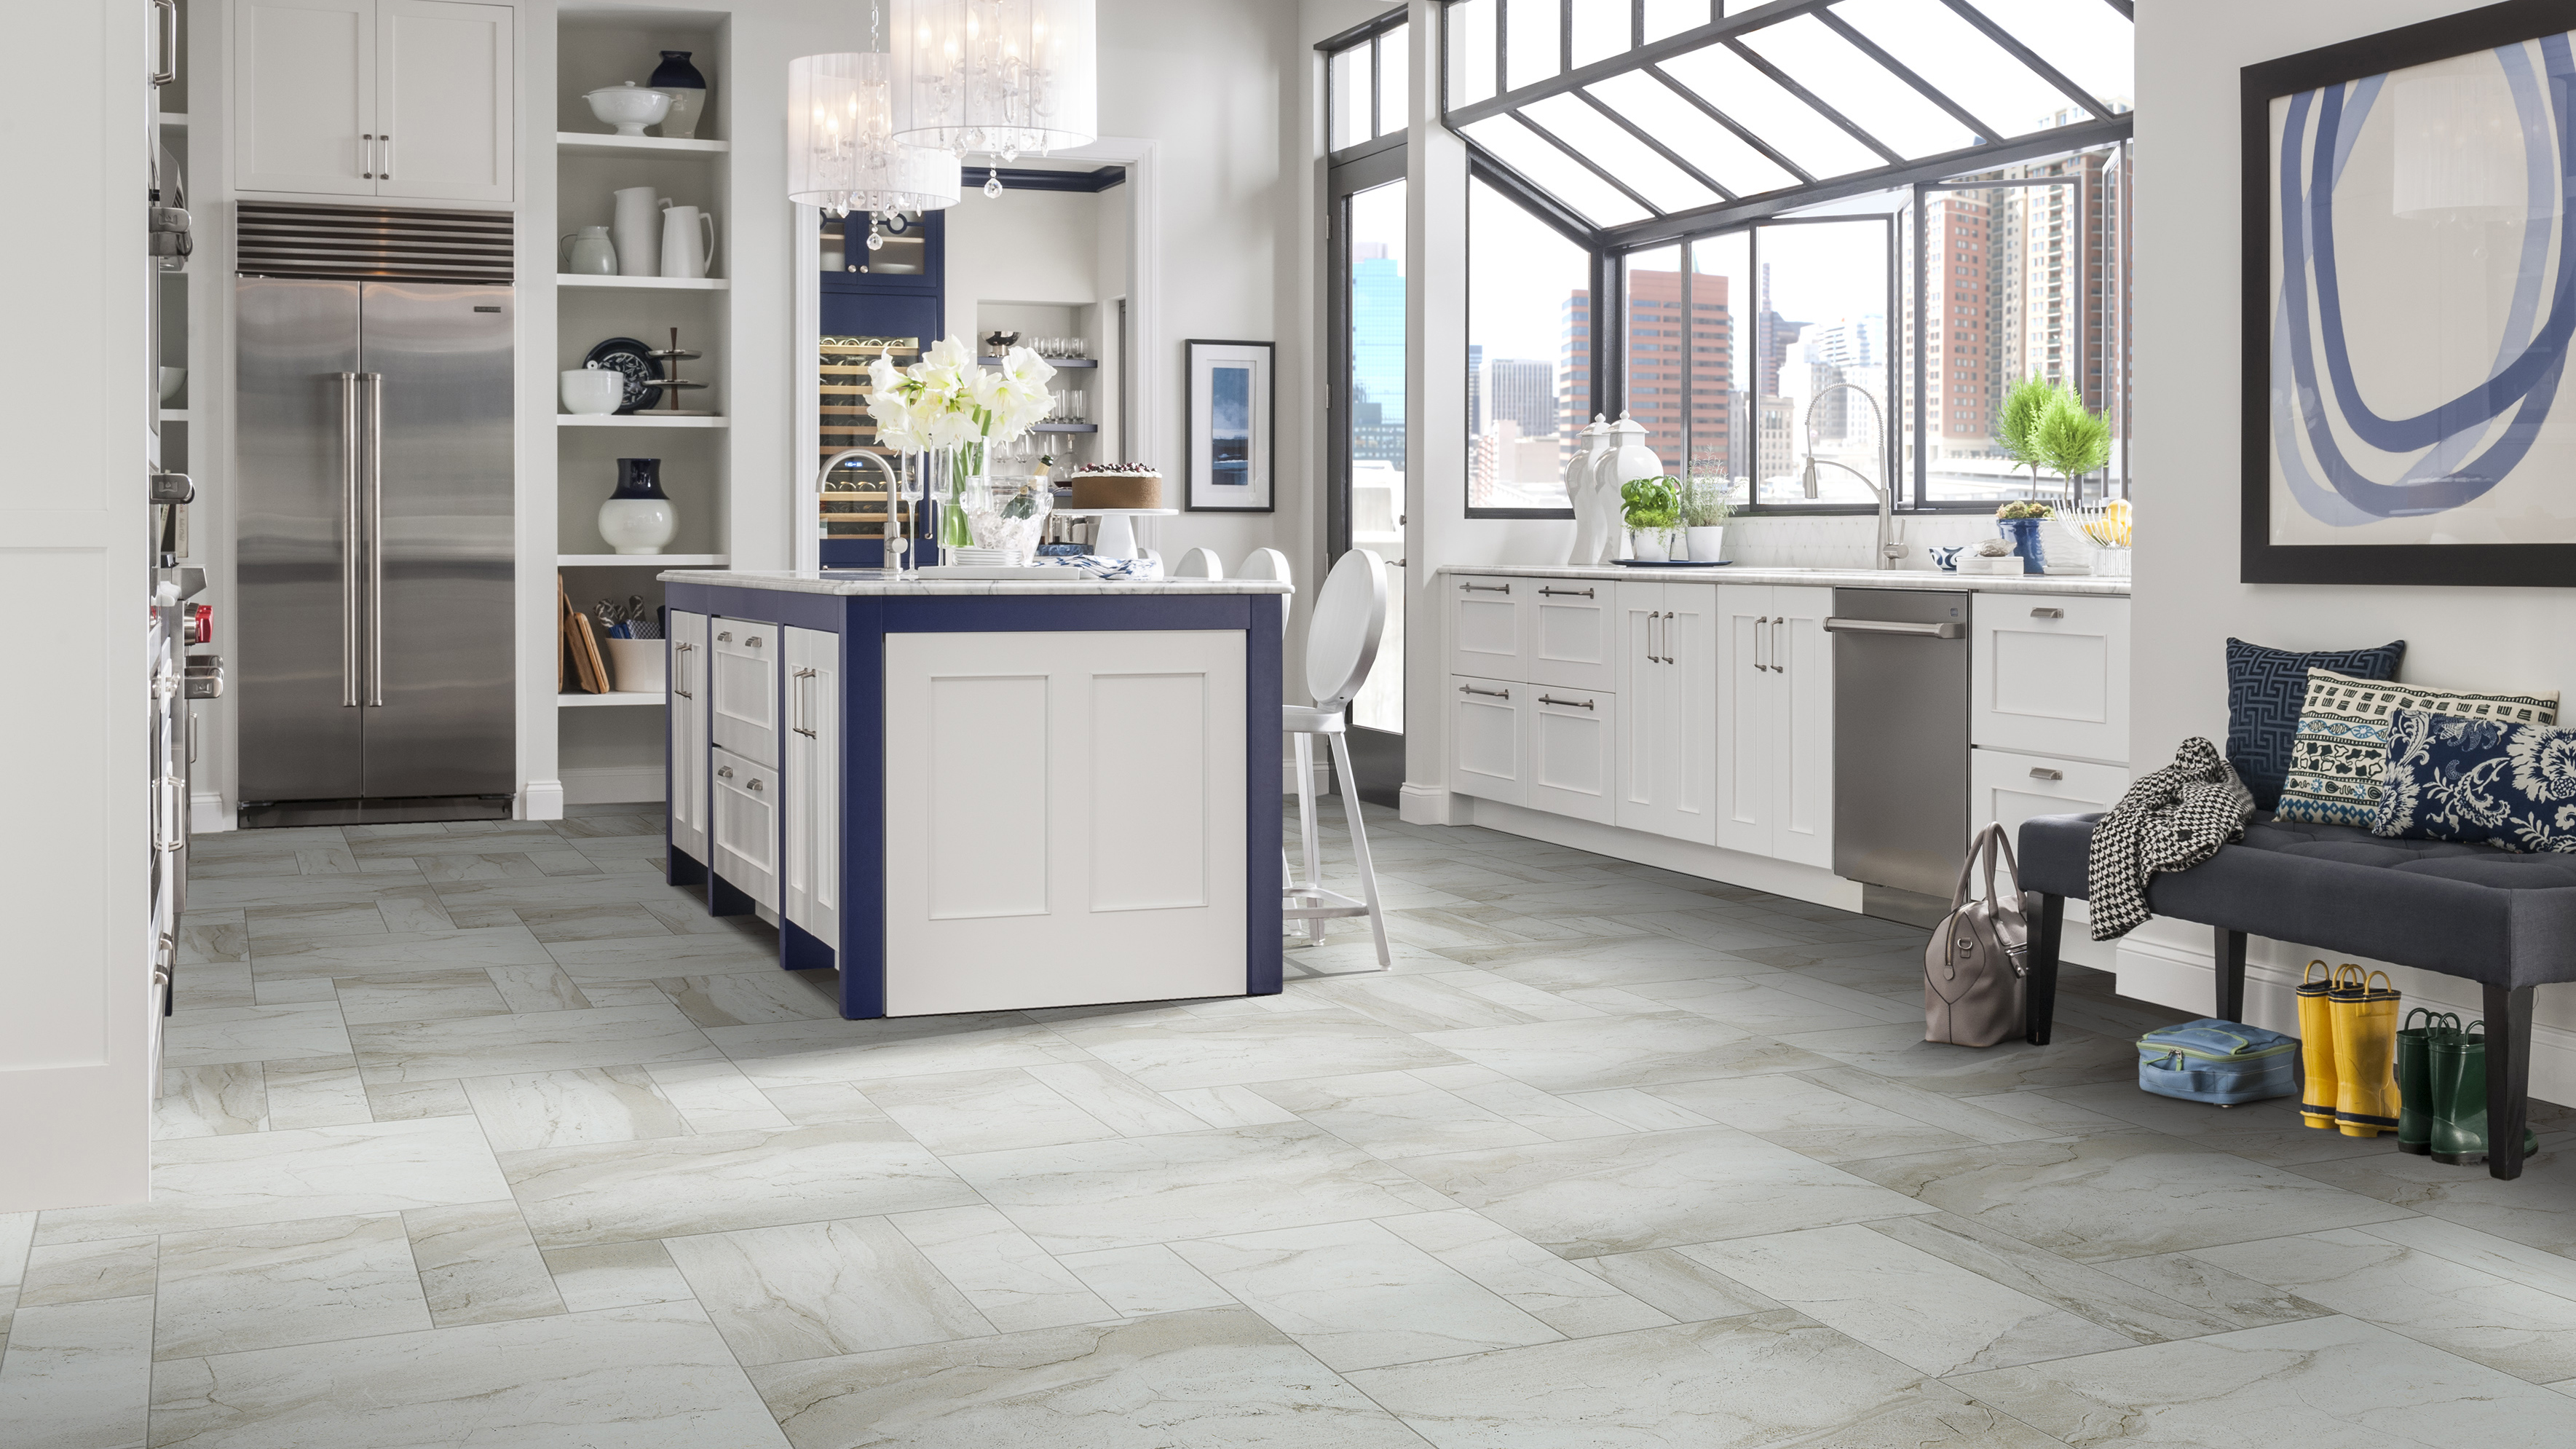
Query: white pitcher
{"x": 637, "y": 230}
{"x": 1578, "y": 496}
{"x": 1600, "y": 500}
{"x": 688, "y": 240}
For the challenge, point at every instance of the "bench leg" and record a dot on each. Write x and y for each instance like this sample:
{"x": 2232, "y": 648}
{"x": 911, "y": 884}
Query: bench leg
{"x": 2039, "y": 996}
{"x": 2230, "y": 953}
{"x": 2508, "y": 1077}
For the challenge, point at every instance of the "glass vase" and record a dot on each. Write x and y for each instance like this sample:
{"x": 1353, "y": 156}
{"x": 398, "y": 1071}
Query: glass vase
{"x": 967, "y": 489}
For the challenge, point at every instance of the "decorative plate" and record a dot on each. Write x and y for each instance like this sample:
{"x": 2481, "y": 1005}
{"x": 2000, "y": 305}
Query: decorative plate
{"x": 1671, "y": 563}
{"x": 633, "y": 358}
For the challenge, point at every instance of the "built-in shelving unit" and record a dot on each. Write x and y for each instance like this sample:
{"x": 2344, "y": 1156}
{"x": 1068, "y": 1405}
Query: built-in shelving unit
{"x": 645, "y": 284}
{"x": 581, "y": 143}
{"x": 1064, "y": 428}
{"x": 176, "y": 415}
{"x": 643, "y": 560}
{"x": 635, "y": 420}
{"x": 605, "y": 701}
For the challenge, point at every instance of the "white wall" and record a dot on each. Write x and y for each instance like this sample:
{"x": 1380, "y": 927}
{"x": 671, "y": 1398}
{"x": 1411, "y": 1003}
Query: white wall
{"x": 75, "y": 1108}
{"x": 2188, "y": 599}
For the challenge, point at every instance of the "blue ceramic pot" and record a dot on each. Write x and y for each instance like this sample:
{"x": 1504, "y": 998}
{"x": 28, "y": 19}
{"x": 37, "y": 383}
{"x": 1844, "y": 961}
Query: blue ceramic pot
{"x": 2024, "y": 532}
{"x": 675, "y": 72}
{"x": 640, "y": 478}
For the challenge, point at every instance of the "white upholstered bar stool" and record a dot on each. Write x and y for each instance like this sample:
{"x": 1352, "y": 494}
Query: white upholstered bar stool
{"x": 1199, "y": 563}
{"x": 1342, "y": 633}
{"x": 1268, "y": 563}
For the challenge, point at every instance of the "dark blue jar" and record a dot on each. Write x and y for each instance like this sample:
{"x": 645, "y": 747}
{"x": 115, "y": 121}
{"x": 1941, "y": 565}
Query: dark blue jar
{"x": 676, "y": 72}
{"x": 640, "y": 478}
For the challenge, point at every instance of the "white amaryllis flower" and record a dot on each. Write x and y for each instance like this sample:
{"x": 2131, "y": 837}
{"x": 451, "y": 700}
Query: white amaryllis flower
{"x": 948, "y": 401}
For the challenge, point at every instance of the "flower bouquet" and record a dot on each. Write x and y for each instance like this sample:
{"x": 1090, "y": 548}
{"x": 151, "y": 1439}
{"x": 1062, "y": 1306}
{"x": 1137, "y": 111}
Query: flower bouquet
{"x": 949, "y": 407}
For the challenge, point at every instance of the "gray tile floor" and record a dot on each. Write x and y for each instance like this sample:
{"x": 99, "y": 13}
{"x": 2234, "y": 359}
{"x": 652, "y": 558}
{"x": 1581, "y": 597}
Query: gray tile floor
{"x": 480, "y": 1135}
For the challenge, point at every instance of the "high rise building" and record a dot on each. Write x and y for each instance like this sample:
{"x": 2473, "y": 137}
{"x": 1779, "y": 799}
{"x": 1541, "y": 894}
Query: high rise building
{"x": 1475, "y": 389}
{"x": 1519, "y": 390}
{"x": 1377, "y": 354}
{"x": 1963, "y": 323}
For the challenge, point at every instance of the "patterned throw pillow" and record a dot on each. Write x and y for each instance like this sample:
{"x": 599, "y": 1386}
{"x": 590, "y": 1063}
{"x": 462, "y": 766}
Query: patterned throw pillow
{"x": 2265, "y": 689}
{"x": 2342, "y": 744}
{"x": 2479, "y": 782}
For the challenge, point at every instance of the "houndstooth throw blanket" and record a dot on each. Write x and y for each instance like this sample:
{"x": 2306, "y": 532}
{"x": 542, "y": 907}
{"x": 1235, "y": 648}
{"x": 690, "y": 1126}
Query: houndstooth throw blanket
{"x": 2170, "y": 820}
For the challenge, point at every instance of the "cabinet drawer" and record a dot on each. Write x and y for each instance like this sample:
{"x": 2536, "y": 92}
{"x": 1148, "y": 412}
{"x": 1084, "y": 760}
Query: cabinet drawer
{"x": 1569, "y": 753}
{"x": 744, "y": 826}
{"x": 2050, "y": 675}
{"x": 2008, "y": 789}
{"x": 1570, "y": 634}
{"x": 1485, "y": 626}
{"x": 1485, "y": 737}
{"x": 742, "y": 688}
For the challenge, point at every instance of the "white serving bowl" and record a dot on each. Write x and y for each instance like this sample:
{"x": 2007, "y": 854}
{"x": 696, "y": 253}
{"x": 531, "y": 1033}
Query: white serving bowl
{"x": 593, "y": 390}
{"x": 629, "y": 107}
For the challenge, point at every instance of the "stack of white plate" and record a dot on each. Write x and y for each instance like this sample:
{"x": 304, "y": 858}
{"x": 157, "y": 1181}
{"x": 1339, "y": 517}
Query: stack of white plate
{"x": 980, "y": 557}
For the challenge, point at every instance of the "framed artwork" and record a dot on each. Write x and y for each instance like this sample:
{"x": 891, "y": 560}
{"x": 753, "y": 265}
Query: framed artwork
{"x": 2409, "y": 291}
{"x": 1230, "y": 393}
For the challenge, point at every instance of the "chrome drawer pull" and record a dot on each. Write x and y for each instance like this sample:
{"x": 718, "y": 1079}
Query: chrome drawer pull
{"x": 1568, "y": 703}
{"x": 752, "y": 643}
{"x": 1565, "y": 593}
{"x": 724, "y": 772}
{"x": 1488, "y": 693}
{"x": 725, "y": 638}
{"x": 2048, "y": 613}
{"x": 2041, "y": 772}
{"x": 753, "y": 787}
{"x": 1487, "y": 588}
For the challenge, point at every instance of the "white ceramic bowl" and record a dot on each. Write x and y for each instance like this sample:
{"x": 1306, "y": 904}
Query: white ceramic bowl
{"x": 593, "y": 390}
{"x": 171, "y": 378}
{"x": 629, "y": 107}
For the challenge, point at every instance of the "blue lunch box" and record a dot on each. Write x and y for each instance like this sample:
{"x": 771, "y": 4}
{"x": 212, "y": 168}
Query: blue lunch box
{"x": 2221, "y": 1062}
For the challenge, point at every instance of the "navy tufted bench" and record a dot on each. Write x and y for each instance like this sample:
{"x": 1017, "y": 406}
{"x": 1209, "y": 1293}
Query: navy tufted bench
{"x": 2505, "y": 921}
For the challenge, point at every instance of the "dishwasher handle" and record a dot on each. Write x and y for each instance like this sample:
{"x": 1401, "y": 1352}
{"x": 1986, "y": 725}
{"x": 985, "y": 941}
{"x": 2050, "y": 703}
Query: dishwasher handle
{"x": 1894, "y": 626}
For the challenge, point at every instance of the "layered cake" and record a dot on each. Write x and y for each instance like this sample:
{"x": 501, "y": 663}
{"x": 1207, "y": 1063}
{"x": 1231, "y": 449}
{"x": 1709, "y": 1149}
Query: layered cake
{"x": 1117, "y": 485}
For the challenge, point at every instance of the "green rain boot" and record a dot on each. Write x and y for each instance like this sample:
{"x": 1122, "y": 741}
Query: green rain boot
{"x": 2458, "y": 1063}
{"x": 2415, "y": 1079}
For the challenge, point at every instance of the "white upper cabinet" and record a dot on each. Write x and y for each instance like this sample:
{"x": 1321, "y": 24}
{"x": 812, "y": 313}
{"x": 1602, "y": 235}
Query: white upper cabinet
{"x": 386, "y": 98}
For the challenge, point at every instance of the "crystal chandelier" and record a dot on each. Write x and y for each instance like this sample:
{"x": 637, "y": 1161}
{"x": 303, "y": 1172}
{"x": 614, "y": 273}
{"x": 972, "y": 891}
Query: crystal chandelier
{"x": 841, "y": 151}
{"x": 996, "y": 77}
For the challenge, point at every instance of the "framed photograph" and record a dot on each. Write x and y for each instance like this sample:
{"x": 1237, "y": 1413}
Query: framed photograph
{"x": 2409, "y": 291}
{"x": 1230, "y": 394}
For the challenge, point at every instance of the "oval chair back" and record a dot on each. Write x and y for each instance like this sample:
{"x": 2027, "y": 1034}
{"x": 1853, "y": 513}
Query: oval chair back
{"x": 1199, "y": 563}
{"x": 1343, "y": 629}
{"x": 1268, "y": 563}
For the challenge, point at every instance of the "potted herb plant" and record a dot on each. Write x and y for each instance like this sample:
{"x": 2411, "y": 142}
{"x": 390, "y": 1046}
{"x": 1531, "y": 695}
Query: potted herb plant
{"x": 2020, "y": 521}
{"x": 1652, "y": 509}
{"x": 1705, "y": 508}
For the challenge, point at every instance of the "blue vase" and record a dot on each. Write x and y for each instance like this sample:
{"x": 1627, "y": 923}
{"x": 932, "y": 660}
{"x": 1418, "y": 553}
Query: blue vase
{"x": 2024, "y": 532}
{"x": 688, "y": 92}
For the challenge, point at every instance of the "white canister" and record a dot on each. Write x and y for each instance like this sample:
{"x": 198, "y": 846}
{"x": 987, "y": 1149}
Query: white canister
{"x": 1632, "y": 459}
{"x": 1578, "y": 486}
{"x": 594, "y": 390}
{"x": 688, "y": 241}
{"x": 637, "y": 666}
{"x": 1600, "y": 504}
{"x": 1705, "y": 543}
{"x": 637, "y": 230}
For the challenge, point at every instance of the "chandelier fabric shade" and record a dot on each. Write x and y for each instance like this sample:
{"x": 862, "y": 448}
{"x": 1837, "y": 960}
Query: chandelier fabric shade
{"x": 842, "y": 153}
{"x": 996, "y": 77}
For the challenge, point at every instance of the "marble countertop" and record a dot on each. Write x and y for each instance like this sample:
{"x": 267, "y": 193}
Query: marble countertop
{"x": 867, "y": 581}
{"x": 1822, "y": 578}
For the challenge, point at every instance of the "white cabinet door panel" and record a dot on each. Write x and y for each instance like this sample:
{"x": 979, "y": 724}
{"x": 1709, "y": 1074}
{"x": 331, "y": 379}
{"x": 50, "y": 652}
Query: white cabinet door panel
{"x": 304, "y": 79}
{"x": 1643, "y": 788}
{"x": 1065, "y": 818}
{"x": 688, "y": 682}
{"x": 810, "y": 830}
{"x": 2050, "y": 674}
{"x": 1569, "y": 739}
{"x": 745, "y": 826}
{"x": 1485, "y": 738}
{"x": 742, "y": 688}
{"x": 444, "y": 104}
{"x": 1485, "y": 626}
{"x": 1744, "y": 718}
{"x": 1570, "y": 635}
{"x": 1690, "y": 668}
{"x": 2008, "y": 789}
{"x": 1802, "y": 737}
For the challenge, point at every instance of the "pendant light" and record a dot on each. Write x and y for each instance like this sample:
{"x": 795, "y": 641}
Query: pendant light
{"x": 842, "y": 153}
{"x": 996, "y": 77}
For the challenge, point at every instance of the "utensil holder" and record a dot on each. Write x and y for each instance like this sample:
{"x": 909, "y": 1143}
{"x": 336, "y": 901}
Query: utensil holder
{"x": 637, "y": 666}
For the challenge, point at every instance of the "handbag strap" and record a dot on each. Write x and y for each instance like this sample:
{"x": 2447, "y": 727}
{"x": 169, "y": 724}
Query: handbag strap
{"x": 2003, "y": 843}
{"x": 1982, "y": 847}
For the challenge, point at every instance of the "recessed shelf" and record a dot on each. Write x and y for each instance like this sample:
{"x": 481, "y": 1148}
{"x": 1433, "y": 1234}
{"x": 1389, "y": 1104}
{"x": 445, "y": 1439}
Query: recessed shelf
{"x": 642, "y": 560}
{"x": 634, "y": 420}
{"x": 175, "y": 415}
{"x": 1065, "y": 428}
{"x": 172, "y": 118}
{"x": 1059, "y": 363}
{"x": 584, "y": 142}
{"x": 650, "y": 284}
{"x": 603, "y": 701}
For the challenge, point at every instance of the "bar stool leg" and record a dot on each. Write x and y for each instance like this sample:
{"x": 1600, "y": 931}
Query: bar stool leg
{"x": 1314, "y": 876}
{"x": 1346, "y": 785}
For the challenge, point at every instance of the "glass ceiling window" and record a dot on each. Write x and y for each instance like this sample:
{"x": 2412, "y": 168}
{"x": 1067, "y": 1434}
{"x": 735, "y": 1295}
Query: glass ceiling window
{"x": 1655, "y": 119}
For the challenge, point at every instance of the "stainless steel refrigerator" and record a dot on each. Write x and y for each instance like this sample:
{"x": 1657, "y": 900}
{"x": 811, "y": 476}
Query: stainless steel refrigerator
{"x": 374, "y": 667}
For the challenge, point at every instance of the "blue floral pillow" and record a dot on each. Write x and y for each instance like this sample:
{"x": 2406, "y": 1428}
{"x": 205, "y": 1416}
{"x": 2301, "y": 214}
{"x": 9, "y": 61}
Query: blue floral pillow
{"x": 2479, "y": 782}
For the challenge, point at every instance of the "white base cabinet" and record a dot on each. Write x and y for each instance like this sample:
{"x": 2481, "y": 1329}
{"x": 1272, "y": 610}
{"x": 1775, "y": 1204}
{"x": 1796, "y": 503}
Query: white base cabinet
{"x": 744, "y": 825}
{"x": 810, "y": 815}
{"x": 2049, "y": 674}
{"x": 742, "y": 688}
{"x": 1775, "y": 732}
{"x": 2009, "y": 788}
{"x": 1485, "y": 737}
{"x": 688, "y": 685}
{"x": 1667, "y": 757}
{"x": 1569, "y": 741}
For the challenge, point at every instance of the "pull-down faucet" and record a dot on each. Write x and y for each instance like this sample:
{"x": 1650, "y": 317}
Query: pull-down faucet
{"x": 1888, "y": 549}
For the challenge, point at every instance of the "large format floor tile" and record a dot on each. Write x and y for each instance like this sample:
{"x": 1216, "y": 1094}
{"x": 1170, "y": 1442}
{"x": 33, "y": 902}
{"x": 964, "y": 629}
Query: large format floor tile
{"x": 319, "y": 1172}
{"x": 230, "y": 1290}
{"x": 543, "y": 1041}
{"x": 1623, "y": 1051}
{"x": 723, "y": 1181}
{"x": 817, "y": 1290}
{"x": 2497, "y": 1321}
{"x": 1357, "y": 1296}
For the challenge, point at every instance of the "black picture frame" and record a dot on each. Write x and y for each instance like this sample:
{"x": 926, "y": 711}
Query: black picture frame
{"x": 1261, "y": 488}
{"x": 2532, "y": 565}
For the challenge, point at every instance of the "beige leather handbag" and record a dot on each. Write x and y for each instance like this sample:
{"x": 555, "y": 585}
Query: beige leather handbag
{"x": 1974, "y": 965}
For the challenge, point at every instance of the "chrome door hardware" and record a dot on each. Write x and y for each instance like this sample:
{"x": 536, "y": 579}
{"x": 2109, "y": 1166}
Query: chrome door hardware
{"x": 1761, "y": 632}
{"x": 2041, "y": 772}
{"x": 1778, "y": 622}
{"x": 1887, "y": 626}
{"x": 1564, "y": 593}
{"x": 2048, "y": 613}
{"x": 1568, "y": 703}
{"x": 724, "y": 772}
{"x": 797, "y": 700}
{"x": 1485, "y": 588}
{"x": 679, "y": 669}
{"x": 1488, "y": 693}
{"x": 752, "y": 785}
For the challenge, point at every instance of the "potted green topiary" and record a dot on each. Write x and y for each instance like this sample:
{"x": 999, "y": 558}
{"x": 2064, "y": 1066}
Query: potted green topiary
{"x": 1652, "y": 509}
{"x": 1706, "y": 505}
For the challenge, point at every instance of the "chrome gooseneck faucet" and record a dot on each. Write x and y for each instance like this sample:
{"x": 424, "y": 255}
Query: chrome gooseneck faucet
{"x": 894, "y": 538}
{"x": 1889, "y": 549}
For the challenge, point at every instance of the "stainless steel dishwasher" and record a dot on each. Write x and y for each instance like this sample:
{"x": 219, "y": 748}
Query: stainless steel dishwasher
{"x": 1900, "y": 744}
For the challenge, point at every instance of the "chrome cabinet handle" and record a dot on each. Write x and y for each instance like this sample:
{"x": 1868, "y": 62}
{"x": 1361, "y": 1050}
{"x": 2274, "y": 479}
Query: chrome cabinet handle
{"x": 352, "y": 532}
{"x": 1488, "y": 693}
{"x": 797, "y": 707}
{"x": 165, "y": 69}
{"x": 2048, "y": 613}
{"x": 1568, "y": 703}
{"x": 679, "y": 670}
{"x": 1778, "y": 622}
{"x": 752, "y": 642}
{"x": 2041, "y": 772}
{"x": 1486, "y": 588}
{"x": 375, "y": 538}
{"x": 385, "y": 164}
{"x": 1564, "y": 593}
{"x": 724, "y": 772}
{"x": 752, "y": 785}
{"x": 1761, "y": 630}
{"x": 725, "y": 638}
{"x": 367, "y": 156}
{"x": 1892, "y": 626}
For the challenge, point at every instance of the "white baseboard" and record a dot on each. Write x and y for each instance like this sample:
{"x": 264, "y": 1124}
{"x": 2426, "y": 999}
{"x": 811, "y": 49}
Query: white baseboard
{"x": 541, "y": 800}
{"x": 617, "y": 785}
{"x": 1780, "y": 877}
{"x": 207, "y": 815}
{"x": 1423, "y": 805}
{"x": 2174, "y": 963}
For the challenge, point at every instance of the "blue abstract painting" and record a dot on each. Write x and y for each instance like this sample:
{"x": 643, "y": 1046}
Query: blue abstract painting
{"x": 1230, "y": 426}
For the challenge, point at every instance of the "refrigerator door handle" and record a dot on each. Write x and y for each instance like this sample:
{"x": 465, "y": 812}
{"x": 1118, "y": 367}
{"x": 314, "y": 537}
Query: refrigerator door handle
{"x": 352, "y": 530}
{"x": 375, "y": 502}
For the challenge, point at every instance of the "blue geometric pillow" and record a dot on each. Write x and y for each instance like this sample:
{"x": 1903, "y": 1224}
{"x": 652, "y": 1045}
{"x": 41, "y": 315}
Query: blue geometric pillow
{"x": 2479, "y": 782}
{"x": 2265, "y": 689}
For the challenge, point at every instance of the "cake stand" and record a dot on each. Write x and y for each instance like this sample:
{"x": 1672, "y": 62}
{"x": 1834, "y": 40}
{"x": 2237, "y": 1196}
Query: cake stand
{"x": 1117, "y": 539}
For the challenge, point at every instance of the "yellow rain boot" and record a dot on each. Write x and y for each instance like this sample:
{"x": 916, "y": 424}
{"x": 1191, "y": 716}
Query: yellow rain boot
{"x": 2365, "y": 1052}
{"x": 2316, "y": 1048}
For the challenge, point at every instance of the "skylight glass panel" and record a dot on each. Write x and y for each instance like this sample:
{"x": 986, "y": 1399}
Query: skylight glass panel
{"x": 1394, "y": 61}
{"x": 1845, "y": 78}
{"x": 1661, "y": 112}
{"x": 1600, "y": 29}
{"x": 1615, "y": 151}
{"x": 1753, "y": 101}
{"x": 1530, "y": 32}
{"x": 1930, "y": 39}
{"x": 1470, "y": 24}
{"x": 1554, "y": 172}
{"x": 2091, "y": 45}
{"x": 1672, "y": 17}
